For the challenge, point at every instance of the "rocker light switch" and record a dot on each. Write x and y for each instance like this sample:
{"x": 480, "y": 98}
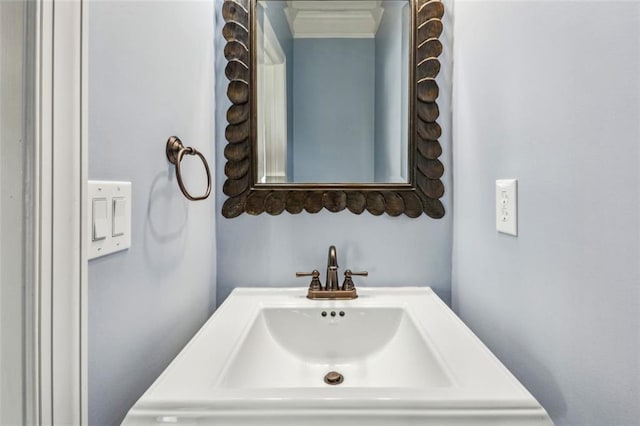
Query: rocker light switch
{"x": 119, "y": 217}
{"x": 109, "y": 217}
{"x": 100, "y": 222}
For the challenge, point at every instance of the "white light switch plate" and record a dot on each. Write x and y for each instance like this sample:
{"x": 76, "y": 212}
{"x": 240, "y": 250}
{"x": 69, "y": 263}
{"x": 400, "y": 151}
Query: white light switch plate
{"x": 112, "y": 240}
{"x": 507, "y": 206}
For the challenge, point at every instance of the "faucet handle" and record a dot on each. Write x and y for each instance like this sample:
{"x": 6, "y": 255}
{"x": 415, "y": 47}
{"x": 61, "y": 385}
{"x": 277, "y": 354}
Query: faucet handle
{"x": 315, "y": 279}
{"x": 348, "y": 282}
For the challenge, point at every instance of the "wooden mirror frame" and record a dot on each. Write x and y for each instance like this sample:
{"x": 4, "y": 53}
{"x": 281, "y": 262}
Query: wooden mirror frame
{"x": 420, "y": 195}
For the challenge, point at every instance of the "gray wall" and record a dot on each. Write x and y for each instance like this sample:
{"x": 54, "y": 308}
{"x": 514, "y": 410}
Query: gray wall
{"x": 267, "y": 250}
{"x": 150, "y": 76}
{"x": 549, "y": 93}
{"x": 333, "y": 104}
{"x": 16, "y": 145}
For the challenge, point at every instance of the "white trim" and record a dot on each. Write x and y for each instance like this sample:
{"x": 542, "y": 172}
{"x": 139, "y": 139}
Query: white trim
{"x": 272, "y": 119}
{"x": 60, "y": 187}
{"x": 336, "y": 19}
{"x": 44, "y": 124}
{"x": 272, "y": 49}
{"x": 84, "y": 251}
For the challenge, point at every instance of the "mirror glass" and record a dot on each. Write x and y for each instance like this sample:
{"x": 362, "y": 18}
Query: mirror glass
{"x": 332, "y": 91}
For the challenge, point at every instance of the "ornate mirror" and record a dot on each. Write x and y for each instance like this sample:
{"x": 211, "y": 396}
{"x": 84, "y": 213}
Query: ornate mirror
{"x": 333, "y": 106}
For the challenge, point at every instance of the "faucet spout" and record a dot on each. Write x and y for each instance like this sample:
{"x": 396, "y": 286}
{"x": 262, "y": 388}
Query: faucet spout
{"x": 331, "y": 290}
{"x": 332, "y": 269}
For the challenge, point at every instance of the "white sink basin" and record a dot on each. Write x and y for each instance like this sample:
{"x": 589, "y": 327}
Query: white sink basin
{"x": 404, "y": 356}
{"x": 370, "y": 346}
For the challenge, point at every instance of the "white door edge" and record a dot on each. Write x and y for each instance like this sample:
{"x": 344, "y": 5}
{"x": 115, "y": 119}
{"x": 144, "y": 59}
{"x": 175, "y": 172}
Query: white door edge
{"x": 61, "y": 175}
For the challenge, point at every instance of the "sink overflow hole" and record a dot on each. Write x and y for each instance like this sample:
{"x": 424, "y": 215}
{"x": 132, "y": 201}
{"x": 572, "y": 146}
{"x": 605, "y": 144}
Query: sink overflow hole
{"x": 333, "y": 378}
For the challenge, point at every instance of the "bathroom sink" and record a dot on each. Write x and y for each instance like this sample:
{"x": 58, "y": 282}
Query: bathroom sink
{"x": 393, "y": 356}
{"x": 369, "y": 346}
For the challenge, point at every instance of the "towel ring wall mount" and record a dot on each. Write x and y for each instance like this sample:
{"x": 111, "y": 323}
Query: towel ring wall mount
{"x": 175, "y": 151}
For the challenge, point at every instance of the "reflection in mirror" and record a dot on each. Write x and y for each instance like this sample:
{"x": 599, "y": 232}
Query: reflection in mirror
{"x": 332, "y": 91}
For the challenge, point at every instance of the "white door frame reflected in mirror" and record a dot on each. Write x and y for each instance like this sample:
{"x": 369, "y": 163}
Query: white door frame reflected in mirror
{"x": 271, "y": 135}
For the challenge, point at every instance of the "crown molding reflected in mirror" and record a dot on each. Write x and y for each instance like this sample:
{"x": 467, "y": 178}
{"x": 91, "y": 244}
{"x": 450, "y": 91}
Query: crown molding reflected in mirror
{"x": 423, "y": 188}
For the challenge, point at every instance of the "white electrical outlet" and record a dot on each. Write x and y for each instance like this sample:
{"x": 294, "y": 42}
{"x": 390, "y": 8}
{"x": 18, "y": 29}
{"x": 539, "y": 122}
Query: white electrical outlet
{"x": 507, "y": 206}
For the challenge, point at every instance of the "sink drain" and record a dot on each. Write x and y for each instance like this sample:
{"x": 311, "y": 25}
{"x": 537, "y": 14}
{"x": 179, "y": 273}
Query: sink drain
{"x": 333, "y": 378}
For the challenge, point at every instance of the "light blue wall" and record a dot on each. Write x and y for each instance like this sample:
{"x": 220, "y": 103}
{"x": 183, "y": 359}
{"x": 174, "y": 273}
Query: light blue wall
{"x": 555, "y": 106}
{"x": 333, "y": 104}
{"x": 549, "y": 93}
{"x": 267, "y": 250}
{"x": 150, "y": 76}
{"x": 391, "y": 119}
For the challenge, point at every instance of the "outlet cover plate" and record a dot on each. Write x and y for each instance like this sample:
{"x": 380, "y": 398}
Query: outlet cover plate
{"x": 507, "y": 206}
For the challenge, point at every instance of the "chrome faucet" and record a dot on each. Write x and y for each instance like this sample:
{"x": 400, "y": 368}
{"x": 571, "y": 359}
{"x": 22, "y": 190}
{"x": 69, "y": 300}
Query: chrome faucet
{"x": 331, "y": 282}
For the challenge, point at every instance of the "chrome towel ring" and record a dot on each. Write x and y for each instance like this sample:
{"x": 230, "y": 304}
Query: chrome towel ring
{"x": 175, "y": 150}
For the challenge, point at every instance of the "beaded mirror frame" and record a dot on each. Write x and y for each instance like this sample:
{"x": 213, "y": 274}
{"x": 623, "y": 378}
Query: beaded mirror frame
{"x": 420, "y": 195}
